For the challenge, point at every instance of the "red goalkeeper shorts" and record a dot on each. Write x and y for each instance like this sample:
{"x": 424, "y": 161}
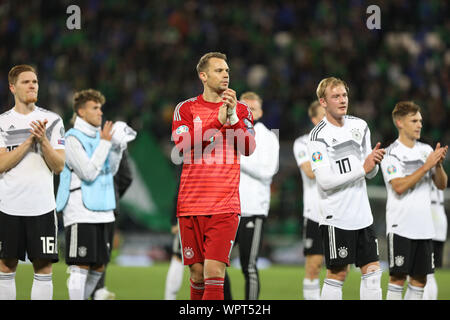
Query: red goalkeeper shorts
{"x": 207, "y": 237}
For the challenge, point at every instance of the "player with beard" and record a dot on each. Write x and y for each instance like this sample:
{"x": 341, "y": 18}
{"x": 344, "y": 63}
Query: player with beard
{"x": 31, "y": 151}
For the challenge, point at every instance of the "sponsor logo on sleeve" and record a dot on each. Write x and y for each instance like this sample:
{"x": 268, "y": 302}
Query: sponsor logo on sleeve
{"x": 317, "y": 157}
{"x": 391, "y": 169}
{"x": 182, "y": 129}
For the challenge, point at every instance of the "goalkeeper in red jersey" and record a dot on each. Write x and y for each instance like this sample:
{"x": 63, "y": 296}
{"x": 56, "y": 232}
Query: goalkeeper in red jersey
{"x": 211, "y": 130}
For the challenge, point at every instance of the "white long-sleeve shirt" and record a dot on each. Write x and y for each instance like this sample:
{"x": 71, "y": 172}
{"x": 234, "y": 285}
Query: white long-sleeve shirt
{"x": 87, "y": 169}
{"x": 337, "y": 155}
{"x": 257, "y": 171}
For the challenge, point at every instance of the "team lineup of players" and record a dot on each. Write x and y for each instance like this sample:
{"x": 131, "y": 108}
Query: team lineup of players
{"x": 220, "y": 200}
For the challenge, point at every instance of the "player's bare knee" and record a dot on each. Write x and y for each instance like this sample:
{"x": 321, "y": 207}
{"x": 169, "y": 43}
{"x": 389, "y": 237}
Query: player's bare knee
{"x": 398, "y": 279}
{"x": 418, "y": 281}
{"x": 8, "y": 265}
{"x": 98, "y": 268}
{"x": 372, "y": 279}
{"x": 42, "y": 266}
{"x": 337, "y": 273}
{"x": 196, "y": 271}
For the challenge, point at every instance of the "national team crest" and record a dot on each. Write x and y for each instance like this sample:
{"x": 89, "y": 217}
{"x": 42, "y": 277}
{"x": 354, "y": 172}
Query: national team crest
{"x": 188, "y": 253}
{"x": 82, "y": 251}
{"x": 308, "y": 243}
{"x": 356, "y": 134}
{"x": 317, "y": 157}
{"x": 399, "y": 261}
{"x": 391, "y": 169}
{"x": 343, "y": 252}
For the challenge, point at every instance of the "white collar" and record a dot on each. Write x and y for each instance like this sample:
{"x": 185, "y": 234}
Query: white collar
{"x": 85, "y": 127}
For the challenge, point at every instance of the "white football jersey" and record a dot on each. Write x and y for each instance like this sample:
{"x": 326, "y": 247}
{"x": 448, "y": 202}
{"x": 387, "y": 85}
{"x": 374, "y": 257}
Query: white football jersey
{"x": 311, "y": 206}
{"x": 27, "y": 188}
{"x": 438, "y": 214}
{"x": 257, "y": 171}
{"x": 409, "y": 214}
{"x": 344, "y": 150}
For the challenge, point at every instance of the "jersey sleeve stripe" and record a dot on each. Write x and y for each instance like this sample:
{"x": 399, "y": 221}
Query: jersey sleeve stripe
{"x": 176, "y": 113}
{"x": 317, "y": 129}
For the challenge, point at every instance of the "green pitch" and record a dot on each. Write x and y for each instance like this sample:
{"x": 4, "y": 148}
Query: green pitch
{"x": 147, "y": 283}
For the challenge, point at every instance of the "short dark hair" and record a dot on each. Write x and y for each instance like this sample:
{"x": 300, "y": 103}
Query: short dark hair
{"x": 203, "y": 62}
{"x": 16, "y": 70}
{"x": 404, "y": 108}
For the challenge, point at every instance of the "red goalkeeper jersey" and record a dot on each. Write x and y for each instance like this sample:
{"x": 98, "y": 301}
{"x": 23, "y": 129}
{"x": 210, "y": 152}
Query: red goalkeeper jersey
{"x": 209, "y": 182}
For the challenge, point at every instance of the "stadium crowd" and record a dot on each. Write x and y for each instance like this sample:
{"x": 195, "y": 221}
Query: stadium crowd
{"x": 141, "y": 55}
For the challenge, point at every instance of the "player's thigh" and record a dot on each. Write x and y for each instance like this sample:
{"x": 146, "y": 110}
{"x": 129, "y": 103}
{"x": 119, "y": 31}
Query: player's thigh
{"x": 367, "y": 248}
{"x": 220, "y": 234}
{"x": 12, "y": 238}
{"x": 42, "y": 237}
{"x": 339, "y": 246}
{"x": 250, "y": 238}
{"x": 312, "y": 240}
{"x": 191, "y": 239}
{"x": 105, "y": 239}
{"x": 438, "y": 252}
{"x": 82, "y": 243}
{"x": 423, "y": 262}
{"x": 399, "y": 254}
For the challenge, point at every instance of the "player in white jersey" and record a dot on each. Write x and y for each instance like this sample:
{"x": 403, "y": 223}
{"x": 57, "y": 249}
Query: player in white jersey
{"x": 341, "y": 158}
{"x": 312, "y": 241}
{"x": 409, "y": 170}
{"x": 257, "y": 171}
{"x": 86, "y": 194}
{"x": 31, "y": 150}
{"x": 440, "y": 236}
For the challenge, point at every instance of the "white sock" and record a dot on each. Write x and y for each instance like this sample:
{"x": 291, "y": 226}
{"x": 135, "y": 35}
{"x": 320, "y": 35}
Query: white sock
{"x": 394, "y": 292}
{"x": 413, "y": 293}
{"x": 311, "y": 289}
{"x": 370, "y": 288}
{"x": 174, "y": 279}
{"x": 76, "y": 282}
{"x": 332, "y": 289}
{"x": 91, "y": 282}
{"x": 430, "y": 291}
{"x": 42, "y": 288}
{"x": 7, "y": 286}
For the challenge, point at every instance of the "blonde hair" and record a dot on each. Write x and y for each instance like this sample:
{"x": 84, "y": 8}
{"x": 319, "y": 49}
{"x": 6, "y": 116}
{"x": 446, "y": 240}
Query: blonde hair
{"x": 13, "y": 74}
{"x": 312, "y": 110}
{"x": 250, "y": 95}
{"x": 203, "y": 62}
{"x": 329, "y": 82}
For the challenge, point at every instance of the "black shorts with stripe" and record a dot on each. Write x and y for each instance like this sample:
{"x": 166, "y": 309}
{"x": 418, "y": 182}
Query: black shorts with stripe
{"x": 89, "y": 243}
{"x": 312, "y": 241}
{"x": 33, "y": 236}
{"x": 410, "y": 256}
{"x": 438, "y": 250}
{"x": 344, "y": 247}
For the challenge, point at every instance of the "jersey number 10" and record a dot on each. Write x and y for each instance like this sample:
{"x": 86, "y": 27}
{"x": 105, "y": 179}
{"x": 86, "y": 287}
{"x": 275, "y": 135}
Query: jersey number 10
{"x": 344, "y": 165}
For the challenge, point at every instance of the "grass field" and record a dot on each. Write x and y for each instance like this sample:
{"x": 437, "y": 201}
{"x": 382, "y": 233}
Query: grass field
{"x": 278, "y": 282}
